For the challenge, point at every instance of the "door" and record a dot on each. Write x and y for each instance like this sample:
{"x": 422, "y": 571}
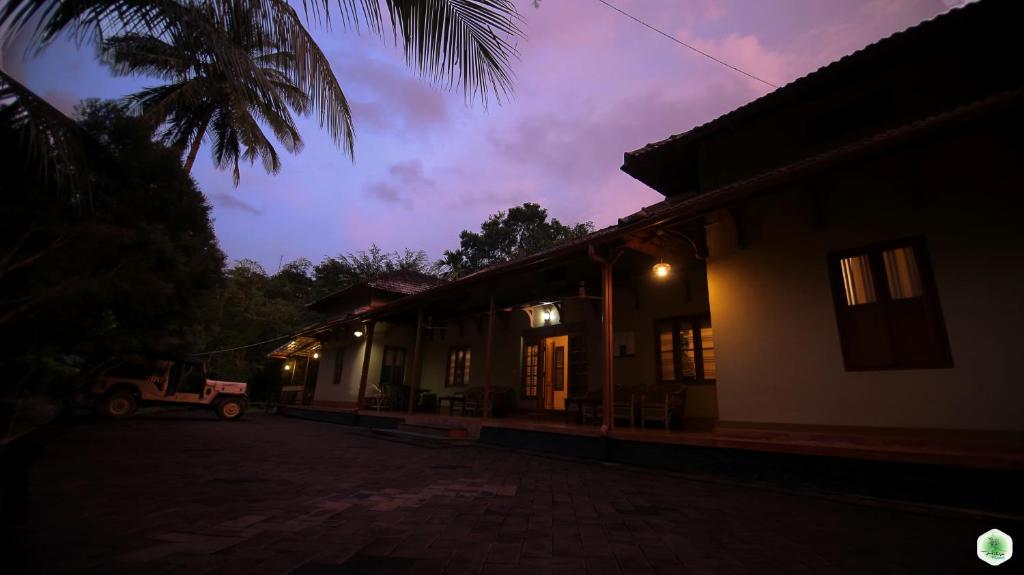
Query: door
{"x": 546, "y": 371}
{"x": 559, "y": 373}
{"x": 308, "y": 380}
{"x": 556, "y": 373}
{"x": 392, "y": 375}
{"x": 533, "y": 371}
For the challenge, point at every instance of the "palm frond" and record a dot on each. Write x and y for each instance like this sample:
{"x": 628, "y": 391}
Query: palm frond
{"x": 134, "y": 54}
{"x": 52, "y": 145}
{"x": 460, "y": 42}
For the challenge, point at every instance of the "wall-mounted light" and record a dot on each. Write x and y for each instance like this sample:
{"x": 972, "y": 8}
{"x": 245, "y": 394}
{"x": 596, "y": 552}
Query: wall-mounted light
{"x": 358, "y": 333}
{"x": 546, "y": 315}
{"x": 661, "y": 269}
{"x": 316, "y": 355}
{"x": 287, "y": 366}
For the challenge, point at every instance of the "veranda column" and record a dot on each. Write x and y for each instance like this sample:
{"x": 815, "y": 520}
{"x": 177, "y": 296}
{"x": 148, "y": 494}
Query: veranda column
{"x": 417, "y": 354}
{"x": 489, "y": 359}
{"x": 608, "y": 377}
{"x": 366, "y": 364}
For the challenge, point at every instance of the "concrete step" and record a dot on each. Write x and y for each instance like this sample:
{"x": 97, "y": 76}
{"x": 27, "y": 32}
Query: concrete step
{"x": 436, "y": 430}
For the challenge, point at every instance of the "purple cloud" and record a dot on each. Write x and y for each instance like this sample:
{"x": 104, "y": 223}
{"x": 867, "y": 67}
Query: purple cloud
{"x": 404, "y": 182}
{"x": 230, "y": 202}
{"x": 387, "y": 98}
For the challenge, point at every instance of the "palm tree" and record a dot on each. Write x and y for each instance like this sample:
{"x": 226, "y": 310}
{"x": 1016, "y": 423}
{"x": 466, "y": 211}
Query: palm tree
{"x": 201, "y": 100}
{"x": 467, "y": 43}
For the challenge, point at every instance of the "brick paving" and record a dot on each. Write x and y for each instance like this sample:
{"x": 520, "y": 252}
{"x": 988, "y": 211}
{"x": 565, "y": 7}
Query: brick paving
{"x": 186, "y": 493}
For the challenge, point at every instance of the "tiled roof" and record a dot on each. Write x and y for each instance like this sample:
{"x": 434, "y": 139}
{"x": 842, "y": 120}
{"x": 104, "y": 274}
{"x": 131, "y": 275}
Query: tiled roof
{"x": 402, "y": 282}
{"x": 405, "y": 282}
{"x": 859, "y": 57}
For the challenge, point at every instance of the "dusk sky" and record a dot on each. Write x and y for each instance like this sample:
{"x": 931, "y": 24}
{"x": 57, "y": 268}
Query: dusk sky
{"x": 590, "y": 85}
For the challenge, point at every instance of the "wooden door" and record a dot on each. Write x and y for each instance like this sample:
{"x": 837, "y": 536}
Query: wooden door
{"x": 533, "y": 371}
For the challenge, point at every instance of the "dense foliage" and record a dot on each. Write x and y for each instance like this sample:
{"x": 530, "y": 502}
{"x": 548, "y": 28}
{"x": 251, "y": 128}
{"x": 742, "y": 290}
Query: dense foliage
{"x": 123, "y": 260}
{"x": 519, "y": 232}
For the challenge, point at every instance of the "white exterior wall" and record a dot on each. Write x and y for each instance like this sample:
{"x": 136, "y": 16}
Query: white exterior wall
{"x": 779, "y": 356}
{"x": 347, "y": 388}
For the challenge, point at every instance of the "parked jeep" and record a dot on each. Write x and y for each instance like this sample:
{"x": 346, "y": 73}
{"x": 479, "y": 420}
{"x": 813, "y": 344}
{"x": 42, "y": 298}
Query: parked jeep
{"x": 119, "y": 390}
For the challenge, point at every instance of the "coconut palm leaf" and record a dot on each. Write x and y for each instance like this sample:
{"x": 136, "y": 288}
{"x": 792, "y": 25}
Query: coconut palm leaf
{"x": 264, "y": 22}
{"x": 202, "y": 100}
{"x": 468, "y": 43}
{"x": 53, "y": 146}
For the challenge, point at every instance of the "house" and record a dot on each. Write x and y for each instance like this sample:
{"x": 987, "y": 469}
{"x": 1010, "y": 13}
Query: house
{"x": 327, "y": 358}
{"x": 844, "y": 253}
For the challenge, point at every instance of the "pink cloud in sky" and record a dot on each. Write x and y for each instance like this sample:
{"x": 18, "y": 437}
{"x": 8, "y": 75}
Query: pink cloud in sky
{"x": 590, "y": 85}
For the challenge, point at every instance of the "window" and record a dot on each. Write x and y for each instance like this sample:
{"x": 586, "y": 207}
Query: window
{"x": 458, "y": 367}
{"x": 531, "y": 370}
{"x": 392, "y": 367}
{"x": 686, "y": 350}
{"x": 858, "y": 282}
{"x": 887, "y": 307}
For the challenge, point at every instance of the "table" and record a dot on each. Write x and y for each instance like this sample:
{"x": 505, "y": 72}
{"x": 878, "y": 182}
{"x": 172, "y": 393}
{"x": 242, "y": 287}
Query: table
{"x": 582, "y": 403}
{"x": 451, "y": 400}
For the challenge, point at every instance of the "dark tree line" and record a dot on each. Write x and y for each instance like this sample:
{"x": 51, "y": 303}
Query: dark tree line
{"x": 108, "y": 253}
{"x": 112, "y": 253}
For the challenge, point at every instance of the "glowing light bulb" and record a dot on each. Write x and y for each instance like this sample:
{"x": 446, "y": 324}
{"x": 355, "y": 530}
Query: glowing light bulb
{"x": 316, "y": 356}
{"x": 662, "y": 269}
{"x": 358, "y": 333}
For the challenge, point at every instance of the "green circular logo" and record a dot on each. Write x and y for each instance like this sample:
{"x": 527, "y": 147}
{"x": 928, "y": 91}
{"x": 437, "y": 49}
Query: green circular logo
{"x": 995, "y": 547}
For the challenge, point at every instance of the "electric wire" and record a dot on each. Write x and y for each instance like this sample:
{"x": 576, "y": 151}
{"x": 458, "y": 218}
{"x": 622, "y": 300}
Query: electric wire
{"x": 681, "y": 43}
{"x": 244, "y": 346}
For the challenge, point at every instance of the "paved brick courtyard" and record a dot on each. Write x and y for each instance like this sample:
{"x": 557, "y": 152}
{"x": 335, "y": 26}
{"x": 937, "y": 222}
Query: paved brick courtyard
{"x": 186, "y": 493}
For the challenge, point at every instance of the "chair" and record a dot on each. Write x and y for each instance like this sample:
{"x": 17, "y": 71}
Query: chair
{"x": 474, "y": 401}
{"x": 661, "y": 402}
{"x": 503, "y": 400}
{"x": 378, "y": 402}
{"x": 588, "y": 406}
{"x": 625, "y": 403}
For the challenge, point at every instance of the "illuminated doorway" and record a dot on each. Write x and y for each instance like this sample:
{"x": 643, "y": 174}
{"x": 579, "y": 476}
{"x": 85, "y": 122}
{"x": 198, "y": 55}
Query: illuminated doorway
{"x": 546, "y": 371}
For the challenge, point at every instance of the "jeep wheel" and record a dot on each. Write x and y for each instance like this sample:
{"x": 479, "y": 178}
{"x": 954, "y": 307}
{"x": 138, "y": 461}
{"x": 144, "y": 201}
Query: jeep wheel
{"x": 118, "y": 405}
{"x": 230, "y": 409}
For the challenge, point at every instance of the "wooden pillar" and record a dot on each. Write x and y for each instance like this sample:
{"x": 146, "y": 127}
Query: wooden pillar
{"x": 417, "y": 357}
{"x": 489, "y": 358}
{"x": 366, "y": 364}
{"x": 608, "y": 377}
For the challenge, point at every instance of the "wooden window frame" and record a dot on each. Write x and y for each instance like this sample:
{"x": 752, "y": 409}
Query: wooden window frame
{"x": 384, "y": 355}
{"x": 698, "y": 349}
{"x": 524, "y": 391}
{"x": 447, "y": 366}
{"x": 929, "y": 295}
